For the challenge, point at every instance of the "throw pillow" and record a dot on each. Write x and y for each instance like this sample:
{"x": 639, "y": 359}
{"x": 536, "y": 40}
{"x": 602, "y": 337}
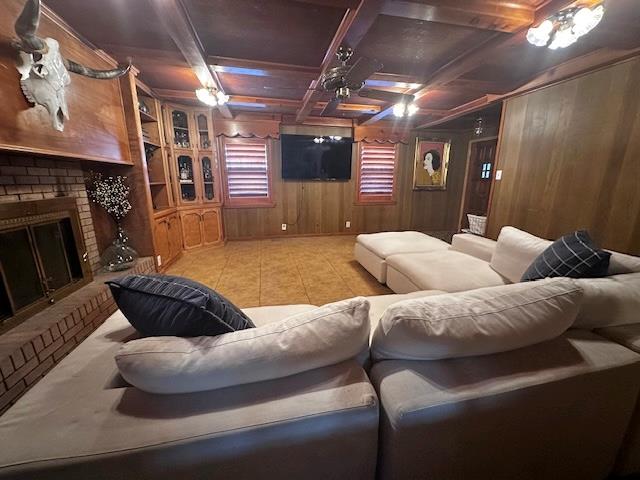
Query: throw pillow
{"x": 574, "y": 255}
{"x": 317, "y": 338}
{"x": 514, "y": 252}
{"x": 159, "y": 305}
{"x": 478, "y": 322}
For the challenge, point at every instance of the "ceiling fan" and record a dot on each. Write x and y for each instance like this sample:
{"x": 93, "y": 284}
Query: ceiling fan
{"x": 345, "y": 80}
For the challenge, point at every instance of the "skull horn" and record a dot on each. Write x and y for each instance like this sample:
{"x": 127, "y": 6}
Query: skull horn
{"x": 26, "y": 27}
{"x": 99, "y": 74}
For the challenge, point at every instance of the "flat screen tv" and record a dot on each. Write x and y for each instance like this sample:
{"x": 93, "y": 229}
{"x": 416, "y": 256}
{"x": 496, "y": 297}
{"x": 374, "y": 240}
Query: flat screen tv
{"x": 309, "y": 157}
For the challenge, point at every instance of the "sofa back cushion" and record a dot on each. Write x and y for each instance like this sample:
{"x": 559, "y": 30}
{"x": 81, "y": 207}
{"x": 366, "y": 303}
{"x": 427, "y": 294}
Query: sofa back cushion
{"x": 623, "y": 263}
{"x": 321, "y": 337}
{"x": 609, "y": 301}
{"x": 477, "y": 322}
{"x": 515, "y": 251}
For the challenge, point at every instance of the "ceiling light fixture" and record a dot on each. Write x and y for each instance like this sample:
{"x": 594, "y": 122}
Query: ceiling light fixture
{"x": 565, "y": 27}
{"x": 479, "y": 127}
{"x": 403, "y": 109}
{"x": 211, "y": 96}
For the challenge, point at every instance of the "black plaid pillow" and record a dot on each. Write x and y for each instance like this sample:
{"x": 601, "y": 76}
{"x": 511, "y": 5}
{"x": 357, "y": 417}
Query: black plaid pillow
{"x": 574, "y": 255}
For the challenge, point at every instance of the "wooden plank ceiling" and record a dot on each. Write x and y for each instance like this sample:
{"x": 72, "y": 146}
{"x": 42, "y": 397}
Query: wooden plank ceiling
{"x": 454, "y": 55}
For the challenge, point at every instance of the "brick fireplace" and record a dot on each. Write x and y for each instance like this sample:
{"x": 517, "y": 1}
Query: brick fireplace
{"x": 30, "y": 349}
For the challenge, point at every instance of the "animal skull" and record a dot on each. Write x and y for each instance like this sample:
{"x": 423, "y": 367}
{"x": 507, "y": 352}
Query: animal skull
{"x": 44, "y": 72}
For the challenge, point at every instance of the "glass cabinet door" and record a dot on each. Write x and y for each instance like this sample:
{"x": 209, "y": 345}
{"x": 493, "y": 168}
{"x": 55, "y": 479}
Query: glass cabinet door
{"x": 181, "y": 137}
{"x": 208, "y": 179}
{"x": 203, "y": 131}
{"x": 186, "y": 180}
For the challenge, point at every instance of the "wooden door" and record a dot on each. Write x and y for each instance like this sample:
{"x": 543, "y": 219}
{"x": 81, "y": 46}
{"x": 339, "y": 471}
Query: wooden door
{"x": 191, "y": 229}
{"x": 175, "y": 235}
{"x": 211, "y": 227}
{"x": 162, "y": 241}
{"x": 479, "y": 178}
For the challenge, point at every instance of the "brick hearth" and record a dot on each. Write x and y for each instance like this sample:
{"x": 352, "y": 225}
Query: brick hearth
{"x": 30, "y": 350}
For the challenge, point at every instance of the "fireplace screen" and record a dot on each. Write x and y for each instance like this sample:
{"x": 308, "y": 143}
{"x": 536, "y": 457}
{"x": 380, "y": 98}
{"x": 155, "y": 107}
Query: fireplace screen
{"x": 41, "y": 260}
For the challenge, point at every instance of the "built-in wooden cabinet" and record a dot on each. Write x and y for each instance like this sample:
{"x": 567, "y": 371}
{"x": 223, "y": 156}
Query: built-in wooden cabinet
{"x": 200, "y": 227}
{"x": 194, "y": 173}
{"x": 168, "y": 238}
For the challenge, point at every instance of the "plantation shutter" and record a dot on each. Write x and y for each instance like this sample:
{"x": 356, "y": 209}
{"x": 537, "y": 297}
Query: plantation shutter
{"x": 377, "y": 173}
{"x": 247, "y": 171}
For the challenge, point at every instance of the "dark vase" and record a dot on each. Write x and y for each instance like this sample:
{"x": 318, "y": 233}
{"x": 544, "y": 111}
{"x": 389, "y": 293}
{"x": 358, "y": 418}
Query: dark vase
{"x": 119, "y": 256}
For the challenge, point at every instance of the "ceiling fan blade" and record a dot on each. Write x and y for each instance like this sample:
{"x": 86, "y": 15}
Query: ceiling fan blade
{"x": 330, "y": 107}
{"x": 385, "y": 96}
{"x": 363, "y": 69}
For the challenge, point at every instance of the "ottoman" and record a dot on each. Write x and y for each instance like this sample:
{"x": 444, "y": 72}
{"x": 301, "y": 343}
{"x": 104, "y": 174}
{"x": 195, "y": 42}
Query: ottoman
{"x": 372, "y": 249}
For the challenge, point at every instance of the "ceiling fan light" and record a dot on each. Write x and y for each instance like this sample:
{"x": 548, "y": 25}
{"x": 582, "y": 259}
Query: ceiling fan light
{"x": 412, "y": 108}
{"x": 400, "y": 109}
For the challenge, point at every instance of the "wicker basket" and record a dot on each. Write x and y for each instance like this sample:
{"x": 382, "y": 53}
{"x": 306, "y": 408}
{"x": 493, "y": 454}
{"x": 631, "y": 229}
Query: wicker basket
{"x": 477, "y": 224}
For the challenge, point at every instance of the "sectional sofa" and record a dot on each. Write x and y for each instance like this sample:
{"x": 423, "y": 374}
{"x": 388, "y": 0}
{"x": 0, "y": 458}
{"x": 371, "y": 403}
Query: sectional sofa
{"x": 564, "y": 408}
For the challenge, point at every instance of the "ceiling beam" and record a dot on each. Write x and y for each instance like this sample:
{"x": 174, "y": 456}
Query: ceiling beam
{"x": 178, "y": 24}
{"x": 262, "y": 68}
{"x": 501, "y": 16}
{"x": 360, "y": 20}
{"x": 332, "y": 3}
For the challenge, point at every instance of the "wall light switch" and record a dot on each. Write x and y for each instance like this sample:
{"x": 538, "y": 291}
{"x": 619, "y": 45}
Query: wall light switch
{"x": 159, "y": 260}
{"x": 284, "y": 226}
{"x": 498, "y": 174}
{"x": 347, "y": 224}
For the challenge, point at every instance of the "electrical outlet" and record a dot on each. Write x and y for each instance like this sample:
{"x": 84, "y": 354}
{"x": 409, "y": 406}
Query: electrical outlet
{"x": 284, "y": 227}
{"x": 498, "y": 174}
{"x": 159, "y": 260}
{"x": 347, "y": 224}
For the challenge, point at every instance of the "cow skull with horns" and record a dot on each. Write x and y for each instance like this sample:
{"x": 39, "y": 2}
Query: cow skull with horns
{"x": 44, "y": 71}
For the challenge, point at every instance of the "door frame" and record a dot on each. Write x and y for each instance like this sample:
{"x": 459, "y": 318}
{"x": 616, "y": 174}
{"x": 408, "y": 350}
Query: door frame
{"x": 466, "y": 175}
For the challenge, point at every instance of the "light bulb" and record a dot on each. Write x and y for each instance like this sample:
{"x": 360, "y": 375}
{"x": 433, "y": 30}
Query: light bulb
{"x": 412, "y": 108}
{"x": 222, "y": 98}
{"x": 539, "y": 36}
{"x": 206, "y": 96}
{"x": 563, "y": 38}
{"x": 586, "y": 19}
{"x": 399, "y": 109}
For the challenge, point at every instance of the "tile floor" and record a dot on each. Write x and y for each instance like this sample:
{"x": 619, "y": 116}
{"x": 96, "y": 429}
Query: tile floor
{"x": 315, "y": 270}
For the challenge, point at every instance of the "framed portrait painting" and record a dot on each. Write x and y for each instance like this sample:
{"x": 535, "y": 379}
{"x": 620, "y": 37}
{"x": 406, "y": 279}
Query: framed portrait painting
{"x": 431, "y": 164}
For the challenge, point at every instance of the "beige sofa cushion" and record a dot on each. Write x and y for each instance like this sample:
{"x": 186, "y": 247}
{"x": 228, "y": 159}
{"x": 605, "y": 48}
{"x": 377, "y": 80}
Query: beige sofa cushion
{"x": 479, "y": 247}
{"x": 515, "y": 251}
{"x": 478, "y": 322}
{"x": 449, "y": 271}
{"x": 609, "y": 301}
{"x": 324, "y": 336}
{"x": 388, "y": 243}
{"x": 623, "y": 263}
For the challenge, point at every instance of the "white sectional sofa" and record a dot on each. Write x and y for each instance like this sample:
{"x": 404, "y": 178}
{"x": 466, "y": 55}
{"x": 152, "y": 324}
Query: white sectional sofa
{"x": 564, "y": 408}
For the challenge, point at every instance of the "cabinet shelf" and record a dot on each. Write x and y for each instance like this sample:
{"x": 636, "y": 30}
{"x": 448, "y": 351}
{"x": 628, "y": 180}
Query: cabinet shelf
{"x": 151, "y": 144}
{"x": 147, "y": 117}
{"x": 157, "y": 184}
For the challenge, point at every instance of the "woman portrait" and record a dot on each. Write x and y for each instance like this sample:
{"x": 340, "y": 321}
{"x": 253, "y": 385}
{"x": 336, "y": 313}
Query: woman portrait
{"x": 431, "y": 164}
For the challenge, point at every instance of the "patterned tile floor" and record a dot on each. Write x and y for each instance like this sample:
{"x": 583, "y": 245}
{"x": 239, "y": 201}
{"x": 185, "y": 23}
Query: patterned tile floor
{"x": 315, "y": 270}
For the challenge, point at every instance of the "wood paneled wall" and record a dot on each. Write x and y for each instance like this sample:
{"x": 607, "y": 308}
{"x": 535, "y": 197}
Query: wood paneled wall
{"x": 96, "y": 128}
{"x": 570, "y": 156}
{"x": 324, "y": 207}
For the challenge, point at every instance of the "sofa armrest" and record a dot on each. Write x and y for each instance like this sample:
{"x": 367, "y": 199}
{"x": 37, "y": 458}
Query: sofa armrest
{"x": 479, "y": 247}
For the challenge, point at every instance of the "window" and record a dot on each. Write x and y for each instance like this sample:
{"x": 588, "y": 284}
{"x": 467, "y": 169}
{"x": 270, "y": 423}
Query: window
{"x": 247, "y": 168}
{"x": 486, "y": 171}
{"x": 377, "y": 168}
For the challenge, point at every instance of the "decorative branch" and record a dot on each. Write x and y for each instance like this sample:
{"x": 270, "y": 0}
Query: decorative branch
{"x": 111, "y": 193}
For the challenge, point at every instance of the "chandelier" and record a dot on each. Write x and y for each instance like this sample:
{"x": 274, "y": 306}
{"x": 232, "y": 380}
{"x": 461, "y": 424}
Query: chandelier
{"x": 211, "y": 96}
{"x": 565, "y": 27}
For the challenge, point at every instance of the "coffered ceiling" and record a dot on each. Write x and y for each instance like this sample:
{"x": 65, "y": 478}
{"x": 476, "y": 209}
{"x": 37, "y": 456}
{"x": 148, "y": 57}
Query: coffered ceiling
{"x": 268, "y": 55}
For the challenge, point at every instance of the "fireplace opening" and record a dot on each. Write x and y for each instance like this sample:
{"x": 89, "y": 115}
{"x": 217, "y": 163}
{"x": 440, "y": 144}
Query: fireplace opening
{"x": 42, "y": 257}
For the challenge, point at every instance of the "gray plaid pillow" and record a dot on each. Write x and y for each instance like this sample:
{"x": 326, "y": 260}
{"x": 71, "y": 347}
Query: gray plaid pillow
{"x": 574, "y": 255}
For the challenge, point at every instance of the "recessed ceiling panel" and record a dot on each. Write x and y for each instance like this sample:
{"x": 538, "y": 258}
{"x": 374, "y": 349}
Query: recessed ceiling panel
{"x": 283, "y": 31}
{"x": 417, "y": 47}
